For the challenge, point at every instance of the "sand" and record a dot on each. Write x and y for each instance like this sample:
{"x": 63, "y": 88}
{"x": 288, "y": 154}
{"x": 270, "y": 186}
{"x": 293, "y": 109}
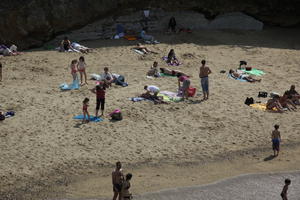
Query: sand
{"x": 42, "y": 147}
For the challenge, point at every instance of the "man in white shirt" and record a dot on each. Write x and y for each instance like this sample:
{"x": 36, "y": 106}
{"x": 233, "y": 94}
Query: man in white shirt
{"x": 152, "y": 89}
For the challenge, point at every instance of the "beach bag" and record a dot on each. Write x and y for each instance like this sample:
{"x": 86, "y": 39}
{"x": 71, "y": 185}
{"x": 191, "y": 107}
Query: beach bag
{"x": 242, "y": 62}
{"x": 249, "y": 101}
{"x": 191, "y": 91}
{"x": 2, "y": 117}
{"x": 262, "y": 94}
{"x": 116, "y": 115}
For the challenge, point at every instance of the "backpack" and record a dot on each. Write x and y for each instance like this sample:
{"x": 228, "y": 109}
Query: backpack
{"x": 116, "y": 116}
{"x": 249, "y": 101}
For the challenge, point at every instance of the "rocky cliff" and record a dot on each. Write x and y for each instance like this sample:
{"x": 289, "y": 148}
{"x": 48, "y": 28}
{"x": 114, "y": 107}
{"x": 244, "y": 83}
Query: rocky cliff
{"x": 30, "y": 23}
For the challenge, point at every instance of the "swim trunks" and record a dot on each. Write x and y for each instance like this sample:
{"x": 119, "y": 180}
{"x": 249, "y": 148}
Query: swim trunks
{"x": 275, "y": 144}
{"x": 117, "y": 187}
{"x": 204, "y": 83}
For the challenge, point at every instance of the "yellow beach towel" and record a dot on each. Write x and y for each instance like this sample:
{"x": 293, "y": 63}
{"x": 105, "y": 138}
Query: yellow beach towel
{"x": 261, "y": 106}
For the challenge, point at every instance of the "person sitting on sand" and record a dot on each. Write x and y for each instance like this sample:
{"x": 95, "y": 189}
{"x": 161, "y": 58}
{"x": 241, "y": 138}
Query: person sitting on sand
{"x": 294, "y": 95}
{"x": 152, "y": 89}
{"x": 143, "y": 49}
{"x": 274, "y": 103}
{"x": 171, "y": 72}
{"x": 185, "y": 85}
{"x": 276, "y": 138}
{"x": 119, "y": 79}
{"x": 81, "y": 68}
{"x": 99, "y": 90}
{"x": 146, "y": 37}
{"x": 125, "y": 187}
{"x": 153, "y": 70}
{"x": 117, "y": 181}
{"x": 107, "y": 77}
{"x": 73, "y": 67}
{"x": 65, "y": 44}
{"x": 284, "y": 101}
{"x": 172, "y": 60}
{"x": 86, "y": 115}
{"x": 283, "y": 194}
{"x": 241, "y": 75}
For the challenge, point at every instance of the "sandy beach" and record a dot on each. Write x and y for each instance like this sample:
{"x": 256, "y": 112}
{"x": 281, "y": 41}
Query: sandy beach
{"x": 45, "y": 152}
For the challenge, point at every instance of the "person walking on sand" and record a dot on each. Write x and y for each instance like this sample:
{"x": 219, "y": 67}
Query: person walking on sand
{"x": 276, "y": 138}
{"x": 81, "y": 68}
{"x": 203, "y": 75}
{"x": 86, "y": 115}
{"x": 283, "y": 194}
{"x": 117, "y": 181}
{"x": 99, "y": 90}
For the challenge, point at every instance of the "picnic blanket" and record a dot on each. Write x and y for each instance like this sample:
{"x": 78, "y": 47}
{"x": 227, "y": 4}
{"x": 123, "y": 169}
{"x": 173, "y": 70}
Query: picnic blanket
{"x": 73, "y": 86}
{"x": 254, "y": 71}
{"x": 165, "y": 58}
{"x": 92, "y": 118}
{"x": 239, "y": 79}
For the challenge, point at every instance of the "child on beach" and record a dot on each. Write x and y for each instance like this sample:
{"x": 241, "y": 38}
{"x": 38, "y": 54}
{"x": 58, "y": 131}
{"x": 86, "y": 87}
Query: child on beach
{"x": 276, "y": 138}
{"x": 185, "y": 85}
{"x": 172, "y": 58}
{"x": 285, "y": 189}
{"x": 85, "y": 110}
{"x": 153, "y": 70}
{"x": 99, "y": 90}
{"x": 81, "y": 68}
{"x": 0, "y": 71}
{"x": 125, "y": 187}
{"x": 73, "y": 67}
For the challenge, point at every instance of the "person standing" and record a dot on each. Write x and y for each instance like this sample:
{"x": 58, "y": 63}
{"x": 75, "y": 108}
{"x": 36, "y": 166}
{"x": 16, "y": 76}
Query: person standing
{"x": 125, "y": 187}
{"x": 117, "y": 181}
{"x": 99, "y": 90}
{"x": 203, "y": 75}
{"x": 276, "y": 138}
{"x": 0, "y": 71}
{"x": 285, "y": 189}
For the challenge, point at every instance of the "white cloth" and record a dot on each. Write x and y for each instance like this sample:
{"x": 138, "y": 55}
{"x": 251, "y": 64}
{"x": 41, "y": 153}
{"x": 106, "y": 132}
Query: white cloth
{"x": 13, "y": 48}
{"x": 153, "y": 88}
{"x": 107, "y": 76}
{"x": 115, "y": 76}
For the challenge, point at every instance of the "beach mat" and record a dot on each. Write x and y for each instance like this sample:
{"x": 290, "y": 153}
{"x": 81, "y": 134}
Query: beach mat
{"x": 170, "y": 96}
{"x": 166, "y": 75}
{"x": 92, "y": 118}
{"x": 261, "y": 106}
{"x": 254, "y": 71}
{"x": 73, "y": 86}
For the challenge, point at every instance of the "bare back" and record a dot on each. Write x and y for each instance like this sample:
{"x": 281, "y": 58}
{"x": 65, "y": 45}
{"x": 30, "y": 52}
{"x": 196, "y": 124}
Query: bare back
{"x": 275, "y": 134}
{"x": 204, "y": 71}
{"x": 117, "y": 176}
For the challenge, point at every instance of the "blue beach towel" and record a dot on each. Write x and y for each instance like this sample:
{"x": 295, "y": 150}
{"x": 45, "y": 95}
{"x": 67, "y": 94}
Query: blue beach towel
{"x": 73, "y": 86}
{"x": 92, "y": 118}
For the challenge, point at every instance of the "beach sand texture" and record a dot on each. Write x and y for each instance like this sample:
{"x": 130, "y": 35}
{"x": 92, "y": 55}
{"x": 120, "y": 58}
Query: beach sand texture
{"x": 43, "y": 138}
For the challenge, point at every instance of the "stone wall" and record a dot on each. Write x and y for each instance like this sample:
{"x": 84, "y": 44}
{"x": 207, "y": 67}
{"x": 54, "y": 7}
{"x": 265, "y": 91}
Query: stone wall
{"x": 30, "y": 23}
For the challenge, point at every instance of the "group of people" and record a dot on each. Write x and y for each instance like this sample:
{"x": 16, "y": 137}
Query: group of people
{"x": 121, "y": 184}
{"x": 287, "y": 101}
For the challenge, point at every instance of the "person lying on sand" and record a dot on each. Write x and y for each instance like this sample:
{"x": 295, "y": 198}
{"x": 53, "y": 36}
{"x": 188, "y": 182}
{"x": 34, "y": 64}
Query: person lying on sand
{"x": 155, "y": 99}
{"x": 153, "y": 70}
{"x": 241, "y": 75}
{"x": 143, "y": 49}
{"x": 80, "y": 48}
{"x": 294, "y": 95}
{"x": 171, "y": 72}
{"x": 285, "y": 101}
{"x": 274, "y": 103}
{"x": 172, "y": 60}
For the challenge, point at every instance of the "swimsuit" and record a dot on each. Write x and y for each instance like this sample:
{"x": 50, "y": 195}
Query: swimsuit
{"x": 85, "y": 107}
{"x": 204, "y": 83}
{"x": 275, "y": 144}
{"x": 117, "y": 187}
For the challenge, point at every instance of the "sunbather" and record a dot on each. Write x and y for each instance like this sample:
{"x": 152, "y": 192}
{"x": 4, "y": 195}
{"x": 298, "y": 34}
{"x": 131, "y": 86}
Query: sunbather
{"x": 153, "y": 70}
{"x": 155, "y": 99}
{"x": 5, "y": 51}
{"x": 274, "y": 103}
{"x": 172, "y": 60}
{"x": 143, "y": 49}
{"x": 79, "y": 47}
{"x": 241, "y": 75}
{"x": 285, "y": 101}
{"x": 171, "y": 72}
{"x": 146, "y": 37}
{"x": 294, "y": 95}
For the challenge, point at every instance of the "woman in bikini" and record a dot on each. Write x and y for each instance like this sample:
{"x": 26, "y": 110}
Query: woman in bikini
{"x": 171, "y": 72}
{"x": 243, "y": 76}
{"x": 81, "y": 68}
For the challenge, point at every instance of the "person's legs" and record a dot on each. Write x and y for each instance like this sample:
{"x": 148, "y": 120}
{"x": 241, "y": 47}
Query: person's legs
{"x": 85, "y": 79}
{"x": 102, "y": 106}
{"x": 83, "y": 120}
{"x": 97, "y": 107}
{"x": 115, "y": 195}
{"x": 81, "y": 76}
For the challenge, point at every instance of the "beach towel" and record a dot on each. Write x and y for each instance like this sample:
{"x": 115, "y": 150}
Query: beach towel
{"x": 254, "y": 71}
{"x": 130, "y": 37}
{"x": 96, "y": 77}
{"x": 170, "y": 96}
{"x": 136, "y": 99}
{"x": 92, "y": 118}
{"x": 73, "y": 86}
{"x": 138, "y": 51}
{"x": 239, "y": 79}
{"x": 165, "y": 58}
{"x": 261, "y": 106}
{"x": 166, "y": 75}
